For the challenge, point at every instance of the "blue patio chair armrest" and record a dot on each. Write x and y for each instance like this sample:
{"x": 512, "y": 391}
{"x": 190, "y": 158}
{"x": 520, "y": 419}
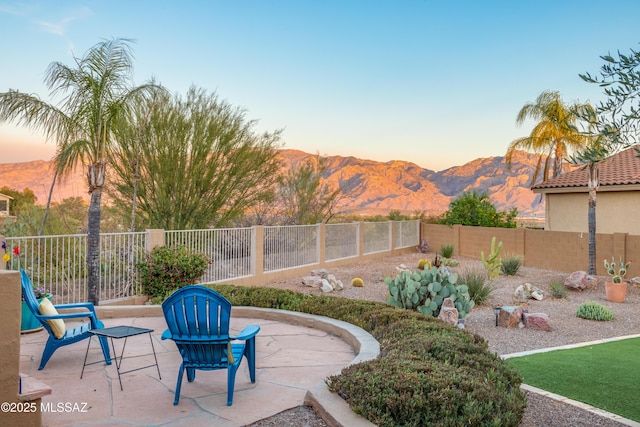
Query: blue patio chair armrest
{"x": 166, "y": 335}
{"x": 248, "y": 332}
{"x": 89, "y": 306}
{"x": 68, "y": 316}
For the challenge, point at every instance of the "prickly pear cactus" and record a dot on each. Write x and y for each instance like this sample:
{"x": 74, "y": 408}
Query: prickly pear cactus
{"x": 426, "y": 290}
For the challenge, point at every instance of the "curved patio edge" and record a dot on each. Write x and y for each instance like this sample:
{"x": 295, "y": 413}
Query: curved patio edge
{"x": 332, "y": 408}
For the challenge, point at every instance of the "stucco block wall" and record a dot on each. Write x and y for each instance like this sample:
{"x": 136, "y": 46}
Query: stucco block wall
{"x": 615, "y": 212}
{"x": 10, "y": 307}
{"x": 553, "y": 250}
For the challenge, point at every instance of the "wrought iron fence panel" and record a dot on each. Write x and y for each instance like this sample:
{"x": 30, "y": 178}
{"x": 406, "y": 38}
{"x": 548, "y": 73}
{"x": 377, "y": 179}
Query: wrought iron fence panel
{"x": 406, "y": 234}
{"x": 377, "y": 237}
{"x": 341, "y": 241}
{"x": 290, "y": 246}
{"x": 230, "y": 250}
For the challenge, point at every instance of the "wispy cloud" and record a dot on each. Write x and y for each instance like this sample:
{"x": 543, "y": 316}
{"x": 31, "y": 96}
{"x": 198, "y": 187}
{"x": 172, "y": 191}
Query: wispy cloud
{"x": 59, "y": 27}
{"x": 16, "y": 9}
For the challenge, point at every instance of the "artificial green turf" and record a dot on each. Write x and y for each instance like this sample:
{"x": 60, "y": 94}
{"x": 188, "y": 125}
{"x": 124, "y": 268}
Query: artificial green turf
{"x": 606, "y": 376}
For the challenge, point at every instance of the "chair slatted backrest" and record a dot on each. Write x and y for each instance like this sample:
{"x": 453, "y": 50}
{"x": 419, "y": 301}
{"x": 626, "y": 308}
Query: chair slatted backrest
{"x": 198, "y": 318}
{"x": 30, "y": 298}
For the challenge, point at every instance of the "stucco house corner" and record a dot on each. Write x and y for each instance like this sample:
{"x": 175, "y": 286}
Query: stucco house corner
{"x": 618, "y": 198}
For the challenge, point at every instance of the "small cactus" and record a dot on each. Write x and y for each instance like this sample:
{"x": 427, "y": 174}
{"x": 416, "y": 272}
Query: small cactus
{"x": 492, "y": 263}
{"x": 424, "y": 264}
{"x": 357, "y": 282}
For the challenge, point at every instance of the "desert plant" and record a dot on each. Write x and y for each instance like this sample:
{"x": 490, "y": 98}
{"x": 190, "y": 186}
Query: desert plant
{"x": 492, "y": 263}
{"x": 558, "y": 290}
{"x": 449, "y": 262}
{"x": 476, "y": 281}
{"x": 166, "y": 269}
{"x": 510, "y": 265}
{"x": 424, "y": 263}
{"x": 616, "y": 277}
{"x": 423, "y": 247}
{"x": 446, "y": 250}
{"x": 357, "y": 282}
{"x": 426, "y": 290}
{"x": 594, "y": 311}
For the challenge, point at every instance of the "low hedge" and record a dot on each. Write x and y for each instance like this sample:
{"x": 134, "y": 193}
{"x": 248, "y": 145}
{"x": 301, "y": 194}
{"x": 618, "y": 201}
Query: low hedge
{"x": 428, "y": 374}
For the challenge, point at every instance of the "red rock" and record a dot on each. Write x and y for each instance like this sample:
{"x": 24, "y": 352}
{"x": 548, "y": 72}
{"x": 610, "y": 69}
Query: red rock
{"x": 510, "y": 316}
{"x": 537, "y": 321}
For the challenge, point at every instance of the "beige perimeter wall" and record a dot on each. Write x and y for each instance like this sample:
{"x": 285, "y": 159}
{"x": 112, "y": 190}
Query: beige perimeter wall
{"x": 553, "y": 250}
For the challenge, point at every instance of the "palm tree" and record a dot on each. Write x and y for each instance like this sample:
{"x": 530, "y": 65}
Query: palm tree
{"x": 555, "y": 135}
{"x": 94, "y": 94}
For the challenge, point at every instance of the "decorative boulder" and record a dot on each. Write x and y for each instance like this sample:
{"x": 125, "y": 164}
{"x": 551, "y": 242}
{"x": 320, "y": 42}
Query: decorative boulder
{"x": 320, "y": 272}
{"x": 510, "y": 316}
{"x": 402, "y": 267}
{"x": 537, "y": 321}
{"x": 580, "y": 280}
{"x": 312, "y": 281}
{"x": 335, "y": 283}
{"x": 326, "y": 286}
{"x": 448, "y": 312}
{"x": 527, "y": 291}
{"x": 635, "y": 281}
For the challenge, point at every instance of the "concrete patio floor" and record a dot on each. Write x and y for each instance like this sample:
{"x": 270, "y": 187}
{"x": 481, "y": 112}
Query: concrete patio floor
{"x": 290, "y": 360}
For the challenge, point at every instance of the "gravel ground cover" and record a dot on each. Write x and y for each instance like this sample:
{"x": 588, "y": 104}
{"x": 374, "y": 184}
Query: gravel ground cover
{"x": 567, "y": 328}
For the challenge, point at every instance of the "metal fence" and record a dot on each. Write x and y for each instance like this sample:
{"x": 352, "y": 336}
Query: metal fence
{"x": 229, "y": 249}
{"x": 377, "y": 237}
{"x": 290, "y": 246}
{"x": 58, "y": 263}
{"x": 342, "y": 241}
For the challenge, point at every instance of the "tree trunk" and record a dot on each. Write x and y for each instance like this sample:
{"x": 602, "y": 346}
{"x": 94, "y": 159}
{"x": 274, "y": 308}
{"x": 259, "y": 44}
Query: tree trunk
{"x": 95, "y": 175}
{"x": 591, "y": 215}
{"x": 46, "y": 210}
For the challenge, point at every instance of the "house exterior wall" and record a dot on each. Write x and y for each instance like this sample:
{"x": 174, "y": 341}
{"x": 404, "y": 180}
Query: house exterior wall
{"x": 615, "y": 211}
{"x": 4, "y": 205}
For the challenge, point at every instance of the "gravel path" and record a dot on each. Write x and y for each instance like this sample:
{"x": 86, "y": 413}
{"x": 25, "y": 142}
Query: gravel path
{"x": 567, "y": 328}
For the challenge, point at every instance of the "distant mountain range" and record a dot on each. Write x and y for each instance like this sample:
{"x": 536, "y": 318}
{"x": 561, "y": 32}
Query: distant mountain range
{"x": 375, "y": 187}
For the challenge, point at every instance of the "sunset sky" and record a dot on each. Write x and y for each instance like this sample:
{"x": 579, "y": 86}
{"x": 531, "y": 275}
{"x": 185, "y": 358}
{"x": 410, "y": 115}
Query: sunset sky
{"x": 432, "y": 82}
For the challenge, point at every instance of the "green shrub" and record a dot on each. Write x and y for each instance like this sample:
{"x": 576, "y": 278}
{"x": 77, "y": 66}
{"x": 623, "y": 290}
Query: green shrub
{"x": 511, "y": 265}
{"x": 558, "y": 290}
{"x": 166, "y": 269}
{"x": 594, "y": 311}
{"x": 446, "y": 250}
{"x": 428, "y": 373}
{"x": 476, "y": 281}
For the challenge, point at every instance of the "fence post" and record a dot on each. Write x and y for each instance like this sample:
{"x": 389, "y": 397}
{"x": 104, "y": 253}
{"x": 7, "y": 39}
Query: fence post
{"x": 257, "y": 251}
{"x": 457, "y": 241}
{"x": 620, "y": 245}
{"x": 360, "y": 238}
{"x": 3, "y": 265}
{"x": 322, "y": 244}
{"x": 521, "y": 236}
{"x": 155, "y": 237}
{"x": 392, "y": 237}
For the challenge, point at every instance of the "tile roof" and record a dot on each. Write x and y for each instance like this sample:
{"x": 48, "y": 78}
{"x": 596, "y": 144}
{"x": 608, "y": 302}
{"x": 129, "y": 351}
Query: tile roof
{"x": 622, "y": 168}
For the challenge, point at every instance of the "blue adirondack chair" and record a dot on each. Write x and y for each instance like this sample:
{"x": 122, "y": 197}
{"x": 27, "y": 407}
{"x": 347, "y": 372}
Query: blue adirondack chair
{"x": 70, "y": 336}
{"x": 198, "y": 321}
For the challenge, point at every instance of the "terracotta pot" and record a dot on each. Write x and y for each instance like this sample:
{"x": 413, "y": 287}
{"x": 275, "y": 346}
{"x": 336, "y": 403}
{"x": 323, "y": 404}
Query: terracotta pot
{"x": 616, "y": 292}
